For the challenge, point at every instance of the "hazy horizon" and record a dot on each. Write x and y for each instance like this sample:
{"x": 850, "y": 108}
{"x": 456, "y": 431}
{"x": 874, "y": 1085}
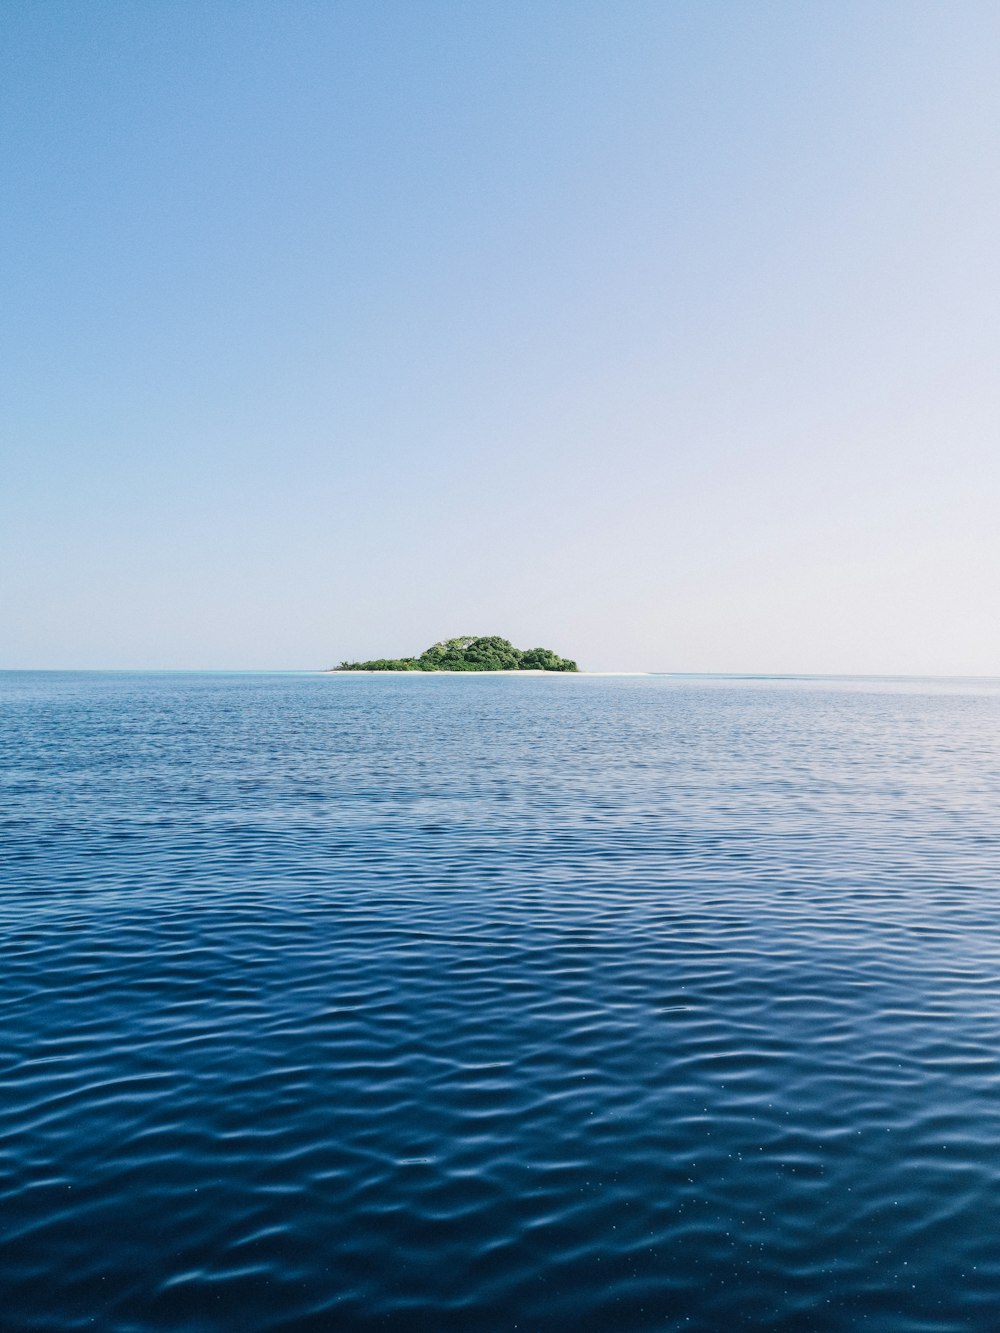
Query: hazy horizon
{"x": 745, "y": 676}
{"x": 661, "y": 336}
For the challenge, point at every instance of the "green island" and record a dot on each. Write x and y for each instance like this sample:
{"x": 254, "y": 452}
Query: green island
{"x": 472, "y": 653}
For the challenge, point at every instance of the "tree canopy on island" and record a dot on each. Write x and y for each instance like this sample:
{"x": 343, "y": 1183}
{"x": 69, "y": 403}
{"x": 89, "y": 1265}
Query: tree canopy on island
{"x": 471, "y": 653}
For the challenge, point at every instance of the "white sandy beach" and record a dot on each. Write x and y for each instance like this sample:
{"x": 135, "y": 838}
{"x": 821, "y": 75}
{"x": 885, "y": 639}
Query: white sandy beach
{"x": 333, "y": 671}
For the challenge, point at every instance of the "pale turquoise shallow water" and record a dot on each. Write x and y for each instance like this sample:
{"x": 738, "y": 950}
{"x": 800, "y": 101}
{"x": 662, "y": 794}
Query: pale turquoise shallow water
{"x": 442, "y": 1003}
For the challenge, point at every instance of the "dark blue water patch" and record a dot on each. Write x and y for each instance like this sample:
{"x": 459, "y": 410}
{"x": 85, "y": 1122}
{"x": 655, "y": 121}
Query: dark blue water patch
{"x": 498, "y": 1003}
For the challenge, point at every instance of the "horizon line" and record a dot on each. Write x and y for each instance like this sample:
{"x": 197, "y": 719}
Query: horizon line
{"x": 673, "y": 675}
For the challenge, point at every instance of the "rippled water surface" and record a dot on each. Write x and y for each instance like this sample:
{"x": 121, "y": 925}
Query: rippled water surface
{"x": 337, "y": 1002}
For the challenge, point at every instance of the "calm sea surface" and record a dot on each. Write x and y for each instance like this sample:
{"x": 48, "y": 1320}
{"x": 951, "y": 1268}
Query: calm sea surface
{"x": 433, "y": 1003}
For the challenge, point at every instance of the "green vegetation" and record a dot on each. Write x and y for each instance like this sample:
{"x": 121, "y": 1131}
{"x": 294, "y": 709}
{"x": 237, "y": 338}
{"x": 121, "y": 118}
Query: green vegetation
{"x": 471, "y": 653}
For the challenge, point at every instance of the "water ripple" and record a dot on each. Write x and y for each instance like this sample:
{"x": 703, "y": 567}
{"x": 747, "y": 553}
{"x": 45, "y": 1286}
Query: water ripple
{"x": 493, "y": 1004}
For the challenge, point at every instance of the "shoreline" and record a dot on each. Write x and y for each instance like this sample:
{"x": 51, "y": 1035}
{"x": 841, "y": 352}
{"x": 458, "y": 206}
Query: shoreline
{"x": 333, "y": 671}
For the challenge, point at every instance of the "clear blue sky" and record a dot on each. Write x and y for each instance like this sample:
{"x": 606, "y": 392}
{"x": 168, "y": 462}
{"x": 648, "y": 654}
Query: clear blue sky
{"x": 664, "y": 334}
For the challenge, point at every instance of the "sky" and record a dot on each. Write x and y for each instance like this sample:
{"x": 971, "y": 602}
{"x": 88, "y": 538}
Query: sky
{"x": 663, "y": 333}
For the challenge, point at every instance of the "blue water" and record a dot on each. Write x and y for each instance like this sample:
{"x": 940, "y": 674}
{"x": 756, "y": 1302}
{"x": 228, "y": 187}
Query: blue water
{"x": 336, "y": 1002}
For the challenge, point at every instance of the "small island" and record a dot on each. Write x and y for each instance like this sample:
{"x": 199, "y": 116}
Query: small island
{"x": 471, "y": 653}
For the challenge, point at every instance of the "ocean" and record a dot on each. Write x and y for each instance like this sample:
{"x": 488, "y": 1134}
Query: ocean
{"x": 431, "y": 1003}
